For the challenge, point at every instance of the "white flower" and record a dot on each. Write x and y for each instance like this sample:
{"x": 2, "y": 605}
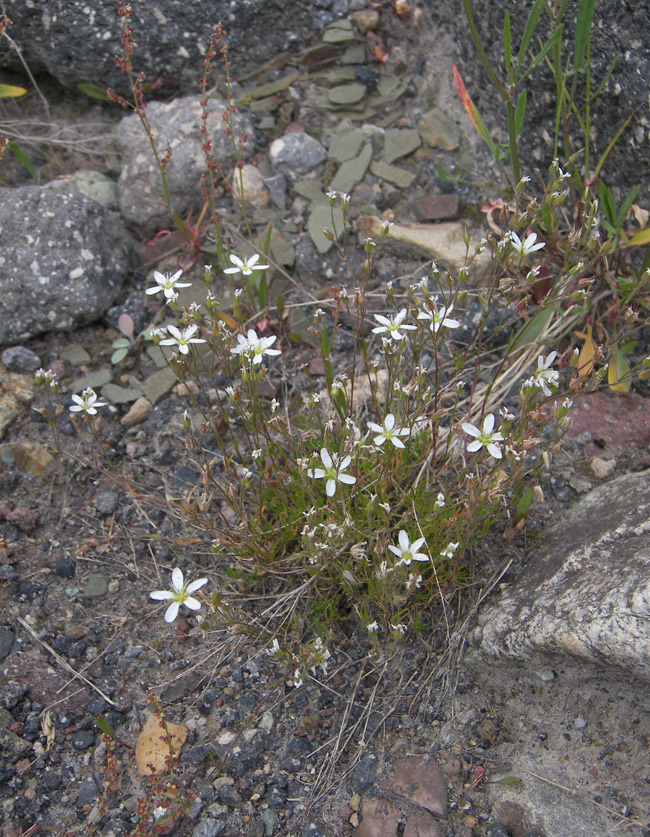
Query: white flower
{"x": 159, "y": 812}
{"x": 544, "y": 376}
{"x": 274, "y": 648}
{"x": 167, "y": 284}
{"x": 438, "y": 318}
{"x": 440, "y": 500}
{"x": 528, "y": 246}
{"x": 332, "y": 470}
{"x": 372, "y": 627}
{"x": 407, "y": 551}
{"x": 253, "y": 347}
{"x": 297, "y": 678}
{"x": 385, "y": 507}
{"x": 179, "y": 594}
{"x": 487, "y": 437}
{"x": 399, "y": 629}
{"x": 414, "y": 581}
{"x": 182, "y": 339}
{"x": 388, "y": 431}
{"x": 450, "y": 550}
{"x": 247, "y": 266}
{"x": 86, "y": 402}
{"x": 393, "y": 325}
{"x": 320, "y": 655}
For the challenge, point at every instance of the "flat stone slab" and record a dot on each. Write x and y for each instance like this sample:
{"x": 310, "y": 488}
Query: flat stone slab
{"x": 586, "y": 593}
{"x": 421, "y": 781}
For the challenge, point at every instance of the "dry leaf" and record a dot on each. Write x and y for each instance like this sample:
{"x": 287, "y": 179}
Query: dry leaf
{"x": 153, "y": 746}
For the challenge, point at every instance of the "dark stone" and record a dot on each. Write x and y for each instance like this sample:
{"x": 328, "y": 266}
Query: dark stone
{"x": 228, "y": 795}
{"x": 276, "y": 797}
{"x": 134, "y": 307}
{"x": 6, "y": 641}
{"x": 51, "y": 780}
{"x": 365, "y": 774}
{"x": 209, "y": 828}
{"x": 20, "y": 359}
{"x": 87, "y": 792}
{"x": 366, "y": 76}
{"x": 83, "y": 739}
{"x": 65, "y": 567}
{"x": 30, "y": 590}
{"x": 197, "y": 755}
{"x": 62, "y": 644}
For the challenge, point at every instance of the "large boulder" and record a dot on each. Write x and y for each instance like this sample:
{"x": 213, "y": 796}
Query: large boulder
{"x": 177, "y": 123}
{"x": 63, "y": 258}
{"x": 76, "y": 41}
{"x": 586, "y": 594}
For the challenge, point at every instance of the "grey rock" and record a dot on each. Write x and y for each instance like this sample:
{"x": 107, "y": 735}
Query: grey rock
{"x": 352, "y": 171}
{"x": 97, "y": 585}
{"x": 20, "y": 359}
{"x": 105, "y": 501}
{"x": 277, "y": 186}
{"x": 295, "y": 154}
{"x": 6, "y": 641}
{"x": 12, "y": 692}
{"x": 87, "y": 792}
{"x": 586, "y": 594}
{"x": 63, "y": 258}
{"x": 177, "y": 124}
{"x": 97, "y": 186}
{"x": 76, "y": 41}
{"x": 398, "y": 143}
{"x": 83, "y": 739}
{"x": 208, "y": 828}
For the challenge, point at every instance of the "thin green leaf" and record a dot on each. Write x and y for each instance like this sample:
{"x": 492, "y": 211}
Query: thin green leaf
{"x": 583, "y": 32}
{"x": 94, "y": 92}
{"x": 534, "y": 329}
{"x": 529, "y": 31}
{"x": 23, "y": 159}
{"x": 622, "y": 213}
{"x": 180, "y": 225}
{"x": 548, "y": 46}
{"x": 325, "y": 342}
{"x": 509, "y": 781}
{"x": 524, "y": 504}
{"x": 104, "y": 726}
{"x": 10, "y": 91}
{"x": 520, "y": 112}
{"x": 638, "y": 240}
{"x": 279, "y": 306}
{"x": 607, "y": 202}
{"x": 507, "y": 42}
{"x": 329, "y": 374}
{"x": 447, "y": 176}
{"x": 606, "y": 78}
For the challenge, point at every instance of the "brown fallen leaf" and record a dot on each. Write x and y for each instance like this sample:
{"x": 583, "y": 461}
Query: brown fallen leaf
{"x": 153, "y": 745}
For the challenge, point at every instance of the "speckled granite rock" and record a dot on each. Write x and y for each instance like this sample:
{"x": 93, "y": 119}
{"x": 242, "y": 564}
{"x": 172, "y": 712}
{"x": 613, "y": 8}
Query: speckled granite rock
{"x": 63, "y": 258}
{"x": 586, "y": 594}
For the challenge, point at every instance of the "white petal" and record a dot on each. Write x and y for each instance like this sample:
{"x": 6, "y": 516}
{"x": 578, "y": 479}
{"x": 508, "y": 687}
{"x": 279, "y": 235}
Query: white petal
{"x": 383, "y": 320}
{"x": 474, "y": 446}
{"x": 389, "y": 422}
{"x": 196, "y": 585}
{"x": 397, "y": 442}
{"x": 192, "y": 603}
{"x": 495, "y": 451}
{"x": 488, "y": 424}
{"x": 177, "y": 579}
{"x": 418, "y": 543}
{"x": 470, "y": 429}
{"x": 348, "y": 479}
{"x": 404, "y": 541}
{"x": 172, "y": 612}
{"x": 395, "y": 550}
{"x": 161, "y": 595}
{"x": 330, "y": 488}
{"x": 236, "y": 261}
{"x": 175, "y": 332}
{"x": 345, "y": 463}
{"x": 153, "y": 290}
{"x": 326, "y": 459}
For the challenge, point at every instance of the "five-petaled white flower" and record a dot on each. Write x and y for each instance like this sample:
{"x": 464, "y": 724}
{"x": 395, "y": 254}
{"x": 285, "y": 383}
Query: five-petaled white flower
{"x": 388, "y": 431}
{"x": 247, "y": 266}
{"x": 86, "y": 402}
{"x": 407, "y": 551}
{"x": 438, "y": 318}
{"x": 488, "y": 437}
{"x": 253, "y": 347}
{"x": 393, "y": 325}
{"x": 182, "y": 339}
{"x": 526, "y": 247}
{"x": 179, "y": 594}
{"x": 332, "y": 471}
{"x": 544, "y": 376}
{"x": 167, "y": 284}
